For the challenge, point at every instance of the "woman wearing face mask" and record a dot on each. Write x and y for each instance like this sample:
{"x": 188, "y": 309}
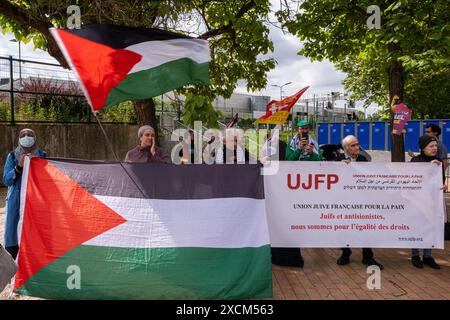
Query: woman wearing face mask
{"x": 12, "y": 177}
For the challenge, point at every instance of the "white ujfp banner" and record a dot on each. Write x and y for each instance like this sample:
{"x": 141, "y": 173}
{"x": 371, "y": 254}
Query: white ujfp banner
{"x": 334, "y": 204}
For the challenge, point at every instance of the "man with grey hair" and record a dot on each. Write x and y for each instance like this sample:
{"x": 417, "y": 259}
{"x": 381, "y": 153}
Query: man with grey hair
{"x": 351, "y": 154}
{"x": 147, "y": 151}
{"x": 352, "y": 150}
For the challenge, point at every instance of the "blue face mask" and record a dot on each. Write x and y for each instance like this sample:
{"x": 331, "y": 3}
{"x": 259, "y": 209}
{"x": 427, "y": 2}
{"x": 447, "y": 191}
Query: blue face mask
{"x": 27, "y": 141}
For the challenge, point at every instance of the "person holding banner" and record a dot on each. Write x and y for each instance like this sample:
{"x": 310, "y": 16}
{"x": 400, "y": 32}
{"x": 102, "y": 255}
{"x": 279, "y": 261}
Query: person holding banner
{"x": 12, "y": 178}
{"x": 233, "y": 150}
{"x": 428, "y": 153}
{"x": 303, "y": 147}
{"x": 147, "y": 151}
{"x": 187, "y": 153}
{"x": 274, "y": 150}
{"x": 352, "y": 154}
{"x": 434, "y": 130}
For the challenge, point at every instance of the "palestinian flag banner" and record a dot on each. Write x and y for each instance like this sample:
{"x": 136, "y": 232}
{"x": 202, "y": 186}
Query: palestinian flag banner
{"x": 116, "y": 63}
{"x": 277, "y": 112}
{"x": 87, "y": 231}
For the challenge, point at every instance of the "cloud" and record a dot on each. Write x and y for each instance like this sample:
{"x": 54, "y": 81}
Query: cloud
{"x": 322, "y": 77}
{"x": 291, "y": 67}
{"x": 9, "y": 48}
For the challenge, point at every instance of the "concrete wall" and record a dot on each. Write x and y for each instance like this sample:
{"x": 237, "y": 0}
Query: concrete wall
{"x": 84, "y": 141}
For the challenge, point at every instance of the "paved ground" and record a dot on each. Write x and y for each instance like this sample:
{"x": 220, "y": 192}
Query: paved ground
{"x": 322, "y": 278}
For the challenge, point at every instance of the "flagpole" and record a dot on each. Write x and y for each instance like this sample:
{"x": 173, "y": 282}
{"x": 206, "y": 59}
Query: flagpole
{"x": 114, "y": 153}
{"x": 281, "y": 97}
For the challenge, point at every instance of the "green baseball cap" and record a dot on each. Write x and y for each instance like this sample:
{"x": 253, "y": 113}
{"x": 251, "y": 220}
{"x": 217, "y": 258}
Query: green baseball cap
{"x": 303, "y": 123}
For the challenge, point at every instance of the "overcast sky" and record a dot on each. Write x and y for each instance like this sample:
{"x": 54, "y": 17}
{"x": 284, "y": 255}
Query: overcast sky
{"x": 290, "y": 67}
{"x": 322, "y": 77}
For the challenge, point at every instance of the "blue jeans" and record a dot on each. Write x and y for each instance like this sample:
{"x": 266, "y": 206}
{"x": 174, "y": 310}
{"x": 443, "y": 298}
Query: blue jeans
{"x": 426, "y": 252}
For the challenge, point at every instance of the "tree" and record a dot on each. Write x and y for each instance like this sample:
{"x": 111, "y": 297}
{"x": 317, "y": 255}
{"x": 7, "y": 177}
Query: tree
{"x": 194, "y": 105}
{"x": 427, "y": 89}
{"x": 236, "y": 30}
{"x": 414, "y": 35}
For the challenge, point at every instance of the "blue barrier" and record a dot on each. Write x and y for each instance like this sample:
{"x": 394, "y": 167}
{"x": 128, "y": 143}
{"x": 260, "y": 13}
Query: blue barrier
{"x": 363, "y": 135}
{"x": 378, "y": 136}
{"x": 389, "y": 136}
{"x": 372, "y": 135}
{"x": 446, "y": 133}
{"x": 335, "y": 133}
{"x": 412, "y": 135}
{"x": 322, "y": 133}
{"x": 349, "y": 129}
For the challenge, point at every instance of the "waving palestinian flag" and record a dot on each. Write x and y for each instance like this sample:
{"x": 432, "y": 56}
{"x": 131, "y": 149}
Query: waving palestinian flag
{"x": 117, "y": 63}
{"x": 187, "y": 232}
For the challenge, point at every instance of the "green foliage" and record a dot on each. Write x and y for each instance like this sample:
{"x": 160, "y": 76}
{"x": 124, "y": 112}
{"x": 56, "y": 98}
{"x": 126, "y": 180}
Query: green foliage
{"x": 200, "y": 108}
{"x": 429, "y": 94}
{"x": 238, "y": 33}
{"x": 55, "y": 112}
{"x": 247, "y": 123}
{"x": 122, "y": 113}
{"x": 286, "y": 135}
{"x": 4, "y": 111}
{"x": 380, "y": 115}
{"x": 235, "y": 55}
{"x": 337, "y": 30}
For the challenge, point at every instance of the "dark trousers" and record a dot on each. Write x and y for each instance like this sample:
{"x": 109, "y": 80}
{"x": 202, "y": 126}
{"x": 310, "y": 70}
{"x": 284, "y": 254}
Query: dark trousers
{"x": 290, "y": 257}
{"x": 13, "y": 251}
{"x": 366, "y": 252}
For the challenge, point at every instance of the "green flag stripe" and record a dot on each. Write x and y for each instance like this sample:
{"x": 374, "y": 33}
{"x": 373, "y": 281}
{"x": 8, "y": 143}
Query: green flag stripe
{"x": 156, "y": 81}
{"x": 161, "y": 273}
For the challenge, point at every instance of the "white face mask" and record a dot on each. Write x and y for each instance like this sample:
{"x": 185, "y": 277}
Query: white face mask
{"x": 27, "y": 141}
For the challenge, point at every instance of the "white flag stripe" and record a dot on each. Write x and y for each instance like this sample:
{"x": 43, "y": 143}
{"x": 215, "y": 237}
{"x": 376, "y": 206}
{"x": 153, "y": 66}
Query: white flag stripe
{"x": 155, "y": 53}
{"x": 209, "y": 223}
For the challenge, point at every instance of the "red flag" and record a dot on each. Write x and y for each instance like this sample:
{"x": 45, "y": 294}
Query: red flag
{"x": 277, "y": 112}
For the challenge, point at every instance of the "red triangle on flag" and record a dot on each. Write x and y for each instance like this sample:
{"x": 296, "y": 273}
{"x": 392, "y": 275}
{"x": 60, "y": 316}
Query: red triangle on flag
{"x": 99, "y": 67}
{"x": 59, "y": 216}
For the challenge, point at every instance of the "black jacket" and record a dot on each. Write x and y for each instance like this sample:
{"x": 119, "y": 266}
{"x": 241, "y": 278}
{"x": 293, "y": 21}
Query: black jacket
{"x": 359, "y": 158}
{"x": 423, "y": 158}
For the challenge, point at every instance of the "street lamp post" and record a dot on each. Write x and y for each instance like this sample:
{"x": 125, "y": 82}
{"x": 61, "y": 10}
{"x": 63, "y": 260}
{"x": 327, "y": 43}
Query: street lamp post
{"x": 20, "y": 60}
{"x": 281, "y": 96}
{"x": 281, "y": 88}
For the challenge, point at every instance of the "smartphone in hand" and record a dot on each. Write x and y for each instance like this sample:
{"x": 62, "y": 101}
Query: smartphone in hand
{"x": 305, "y": 136}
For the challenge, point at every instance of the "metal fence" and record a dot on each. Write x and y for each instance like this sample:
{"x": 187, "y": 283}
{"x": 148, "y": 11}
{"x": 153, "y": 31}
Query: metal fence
{"x": 41, "y": 91}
